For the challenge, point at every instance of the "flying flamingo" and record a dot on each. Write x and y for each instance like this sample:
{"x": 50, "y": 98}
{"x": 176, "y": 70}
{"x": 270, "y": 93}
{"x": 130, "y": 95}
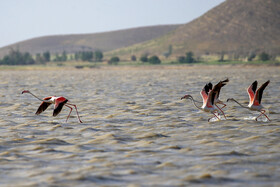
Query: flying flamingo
{"x": 209, "y": 86}
{"x": 208, "y": 97}
{"x": 58, "y": 102}
{"x": 255, "y": 98}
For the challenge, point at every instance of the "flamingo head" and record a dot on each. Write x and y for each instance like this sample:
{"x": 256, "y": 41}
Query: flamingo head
{"x": 25, "y": 91}
{"x": 230, "y": 99}
{"x": 187, "y": 96}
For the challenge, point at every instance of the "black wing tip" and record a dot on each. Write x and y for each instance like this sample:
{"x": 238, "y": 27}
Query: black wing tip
{"x": 266, "y": 83}
{"x": 226, "y": 80}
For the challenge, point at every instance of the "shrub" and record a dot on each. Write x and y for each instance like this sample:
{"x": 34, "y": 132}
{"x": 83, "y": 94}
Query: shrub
{"x": 181, "y": 59}
{"x": 114, "y": 60}
{"x": 251, "y": 56}
{"x": 264, "y": 56}
{"x": 154, "y": 60}
{"x": 144, "y": 58}
{"x": 189, "y": 57}
{"x": 133, "y": 58}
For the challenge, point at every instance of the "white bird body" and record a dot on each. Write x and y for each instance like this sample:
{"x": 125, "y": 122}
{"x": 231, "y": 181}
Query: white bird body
{"x": 255, "y": 107}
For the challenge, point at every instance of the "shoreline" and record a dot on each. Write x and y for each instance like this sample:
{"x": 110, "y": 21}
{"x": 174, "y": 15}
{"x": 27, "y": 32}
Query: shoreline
{"x": 131, "y": 66}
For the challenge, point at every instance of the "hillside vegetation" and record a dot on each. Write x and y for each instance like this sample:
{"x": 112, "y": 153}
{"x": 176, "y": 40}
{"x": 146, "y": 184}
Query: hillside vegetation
{"x": 235, "y": 27}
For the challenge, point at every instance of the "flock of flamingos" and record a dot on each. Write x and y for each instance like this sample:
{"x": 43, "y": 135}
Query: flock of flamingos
{"x": 210, "y": 96}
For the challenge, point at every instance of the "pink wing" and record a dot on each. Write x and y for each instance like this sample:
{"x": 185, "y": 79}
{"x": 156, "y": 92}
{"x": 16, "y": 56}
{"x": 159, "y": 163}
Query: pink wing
{"x": 251, "y": 92}
{"x": 204, "y": 96}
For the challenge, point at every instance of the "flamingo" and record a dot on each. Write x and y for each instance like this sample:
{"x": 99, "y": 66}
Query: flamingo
{"x": 255, "y": 98}
{"x": 58, "y": 102}
{"x": 209, "y": 86}
{"x": 208, "y": 97}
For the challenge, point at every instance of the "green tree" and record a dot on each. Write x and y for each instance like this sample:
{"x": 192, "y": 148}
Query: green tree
{"x": 39, "y": 59}
{"x": 264, "y": 56}
{"x": 169, "y": 52}
{"x": 77, "y": 56}
{"x": 87, "y": 55}
{"x": 154, "y": 60}
{"x": 222, "y": 57}
{"x": 47, "y": 56}
{"x": 98, "y": 56}
{"x": 64, "y": 56}
{"x": 114, "y": 60}
{"x": 27, "y": 58}
{"x": 189, "y": 57}
{"x": 57, "y": 58}
{"x": 251, "y": 56}
{"x": 15, "y": 57}
{"x": 181, "y": 59}
{"x": 133, "y": 58}
{"x": 144, "y": 58}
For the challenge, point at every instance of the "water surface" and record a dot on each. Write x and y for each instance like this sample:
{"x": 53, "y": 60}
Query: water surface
{"x": 136, "y": 130}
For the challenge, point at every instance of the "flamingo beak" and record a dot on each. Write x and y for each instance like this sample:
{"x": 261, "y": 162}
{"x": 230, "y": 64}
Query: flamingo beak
{"x": 24, "y": 91}
{"x": 184, "y": 97}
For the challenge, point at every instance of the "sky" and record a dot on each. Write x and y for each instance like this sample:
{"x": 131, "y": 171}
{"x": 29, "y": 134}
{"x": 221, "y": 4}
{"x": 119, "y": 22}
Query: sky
{"x": 25, "y": 19}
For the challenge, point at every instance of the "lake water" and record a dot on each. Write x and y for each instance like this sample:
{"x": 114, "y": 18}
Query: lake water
{"x": 136, "y": 130}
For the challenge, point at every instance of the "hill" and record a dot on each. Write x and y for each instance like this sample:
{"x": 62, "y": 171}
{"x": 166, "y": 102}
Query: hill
{"x": 104, "y": 41}
{"x": 236, "y": 27}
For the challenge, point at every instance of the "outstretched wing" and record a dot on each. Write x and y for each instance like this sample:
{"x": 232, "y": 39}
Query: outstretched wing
{"x": 43, "y": 106}
{"x": 251, "y": 91}
{"x": 58, "y": 106}
{"x": 220, "y": 85}
{"x": 259, "y": 93}
{"x": 212, "y": 95}
{"x": 204, "y": 94}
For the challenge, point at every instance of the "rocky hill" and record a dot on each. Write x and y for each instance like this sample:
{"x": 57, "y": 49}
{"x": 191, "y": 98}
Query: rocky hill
{"x": 233, "y": 27}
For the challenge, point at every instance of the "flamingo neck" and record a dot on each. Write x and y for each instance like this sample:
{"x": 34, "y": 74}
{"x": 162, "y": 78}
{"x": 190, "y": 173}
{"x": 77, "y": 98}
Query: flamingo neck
{"x": 197, "y": 101}
{"x": 194, "y": 103}
{"x": 47, "y": 101}
{"x": 240, "y": 104}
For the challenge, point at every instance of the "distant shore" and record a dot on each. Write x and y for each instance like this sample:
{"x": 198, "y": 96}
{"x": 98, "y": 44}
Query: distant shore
{"x": 132, "y": 65}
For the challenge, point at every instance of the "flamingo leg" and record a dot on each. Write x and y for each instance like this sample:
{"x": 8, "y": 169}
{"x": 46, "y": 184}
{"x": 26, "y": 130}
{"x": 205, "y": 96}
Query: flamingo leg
{"x": 262, "y": 113}
{"x": 221, "y": 110}
{"x": 76, "y": 111}
{"x": 214, "y": 116}
{"x": 69, "y": 112}
{"x": 223, "y": 106}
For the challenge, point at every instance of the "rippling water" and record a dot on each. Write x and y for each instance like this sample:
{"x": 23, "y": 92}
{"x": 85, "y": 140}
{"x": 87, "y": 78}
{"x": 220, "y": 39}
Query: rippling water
{"x": 136, "y": 130}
